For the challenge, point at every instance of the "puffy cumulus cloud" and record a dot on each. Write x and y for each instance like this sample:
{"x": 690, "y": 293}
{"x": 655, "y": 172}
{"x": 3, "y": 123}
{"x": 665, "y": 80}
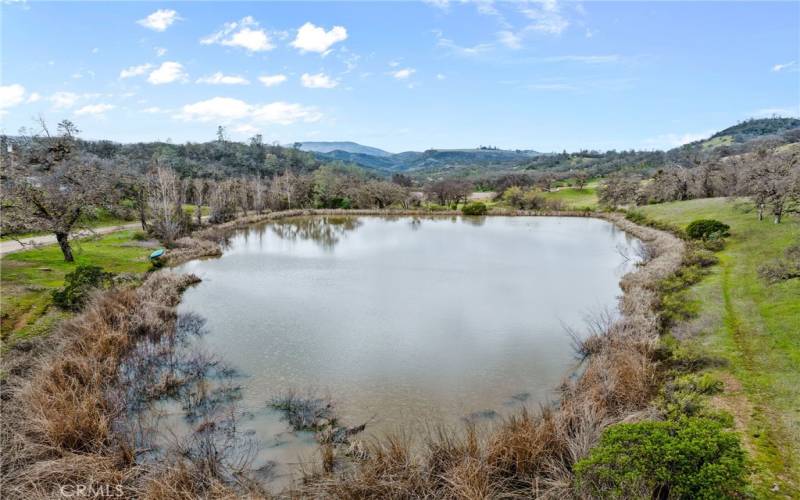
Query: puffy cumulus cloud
{"x": 227, "y": 110}
{"x": 272, "y": 80}
{"x": 312, "y": 38}
{"x": 168, "y": 72}
{"x": 159, "y": 20}
{"x": 63, "y": 100}
{"x": 318, "y": 81}
{"x": 403, "y": 74}
{"x": 34, "y": 97}
{"x": 244, "y": 33}
{"x": 216, "y": 108}
{"x": 285, "y": 113}
{"x": 94, "y": 109}
{"x": 152, "y": 110}
{"x": 132, "y": 71}
{"x": 220, "y": 79}
{"x": 160, "y": 51}
{"x": 10, "y": 96}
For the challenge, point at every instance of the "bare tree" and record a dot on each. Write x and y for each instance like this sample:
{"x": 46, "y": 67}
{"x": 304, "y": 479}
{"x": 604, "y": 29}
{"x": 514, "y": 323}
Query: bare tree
{"x": 200, "y": 193}
{"x": 618, "y": 189}
{"x": 379, "y": 193}
{"x": 165, "y": 201}
{"x": 258, "y": 193}
{"x": 773, "y": 181}
{"x": 222, "y": 201}
{"x": 50, "y": 186}
{"x": 581, "y": 179}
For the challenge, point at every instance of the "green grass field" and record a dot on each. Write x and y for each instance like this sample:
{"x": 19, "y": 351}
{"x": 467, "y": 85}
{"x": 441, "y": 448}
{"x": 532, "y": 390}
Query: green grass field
{"x": 575, "y": 198}
{"x": 101, "y": 219}
{"x": 755, "y": 328}
{"x": 28, "y": 278}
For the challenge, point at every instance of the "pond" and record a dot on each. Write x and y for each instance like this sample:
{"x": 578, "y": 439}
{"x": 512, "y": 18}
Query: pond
{"x": 404, "y": 322}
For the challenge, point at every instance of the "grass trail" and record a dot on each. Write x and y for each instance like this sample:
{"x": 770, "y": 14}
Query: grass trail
{"x": 755, "y": 328}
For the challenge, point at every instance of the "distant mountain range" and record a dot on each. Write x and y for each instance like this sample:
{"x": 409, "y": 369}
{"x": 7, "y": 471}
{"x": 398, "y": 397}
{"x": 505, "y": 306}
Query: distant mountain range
{"x": 437, "y": 163}
{"x": 344, "y": 146}
{"x": 410, "y": 161}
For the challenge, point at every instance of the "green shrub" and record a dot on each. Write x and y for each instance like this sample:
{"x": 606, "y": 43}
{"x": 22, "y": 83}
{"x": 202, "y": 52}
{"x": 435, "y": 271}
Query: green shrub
{"x": 687, "y": 458}
{"x": 636, "y": 217}
{"x": 705, "y": 229}
{"x": 140, "y": 236}
{"x": 700, "y": 257}
{"x": 79, "y": 284}
{"x": 433, "y": 207}
{"x": 476, "y": 208}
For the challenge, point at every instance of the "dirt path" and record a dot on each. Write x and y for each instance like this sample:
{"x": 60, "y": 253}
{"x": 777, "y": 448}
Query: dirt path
{"x": 50, "y": 239}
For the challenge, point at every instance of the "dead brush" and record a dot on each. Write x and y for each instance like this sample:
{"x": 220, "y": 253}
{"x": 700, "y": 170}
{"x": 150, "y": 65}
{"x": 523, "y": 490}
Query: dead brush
{"x": 58, "y": 425}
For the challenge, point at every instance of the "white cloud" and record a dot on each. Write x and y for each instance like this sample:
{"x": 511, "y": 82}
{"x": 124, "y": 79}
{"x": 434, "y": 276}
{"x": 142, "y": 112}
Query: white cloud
{"x": 312, "y": 38}
{"x": 216, "y": 109}
{"x": 160, "y": 51}
{"x": 10, "y": 96}
{"x": 440, "y": 4}
{"x": 159, "y": 20}
{"x": 227, "y": 109}
{"x": 95, "y": 50}
{"x": 219, "y": 79}
{"x": 62, "y": 100}
{"x": 440, "y": 76}
{"x": 244, "y": 33}
{"x": 403, "y": 74}
{"x": 34, "y": 97}
{"x": 168, "y": 72}
{"x": 246, "y": 129}
{"x": 135, "y": 70}
{"x": 781, "y": 67}
{"x": 446, "y": 43}
{"x": 152, "y": 110}
{"x": 272, "y": 80}
{"x": 318, "y": 81}
{"x": 509, "y": 39}
{"x": 94, "y": 109}
{"x": 284, "y": 113}
{"x": 547, "y": 17}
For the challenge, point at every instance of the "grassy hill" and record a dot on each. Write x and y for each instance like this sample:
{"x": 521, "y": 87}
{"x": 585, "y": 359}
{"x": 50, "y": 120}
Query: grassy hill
{"x": 754, "y": 328}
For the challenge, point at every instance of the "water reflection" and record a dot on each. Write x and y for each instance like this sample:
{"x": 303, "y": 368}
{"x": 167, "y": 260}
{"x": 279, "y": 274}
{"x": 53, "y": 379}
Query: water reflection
{"x": 404, "y": 321}
{"x": 325, "y": 231}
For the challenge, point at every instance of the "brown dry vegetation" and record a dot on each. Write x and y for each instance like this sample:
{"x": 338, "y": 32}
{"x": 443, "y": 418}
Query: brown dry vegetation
{"x": 63, "y": 407}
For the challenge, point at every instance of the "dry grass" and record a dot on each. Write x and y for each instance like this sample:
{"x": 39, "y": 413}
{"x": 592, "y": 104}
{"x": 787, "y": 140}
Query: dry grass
{"x": 61, "y": 416}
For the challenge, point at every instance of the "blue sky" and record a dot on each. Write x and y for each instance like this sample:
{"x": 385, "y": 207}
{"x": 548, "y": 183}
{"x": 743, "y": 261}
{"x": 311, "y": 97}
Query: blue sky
{"x": 402, "y": 75}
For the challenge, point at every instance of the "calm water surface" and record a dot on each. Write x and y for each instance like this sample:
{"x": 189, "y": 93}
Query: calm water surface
{"x": 404, "y": 321}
